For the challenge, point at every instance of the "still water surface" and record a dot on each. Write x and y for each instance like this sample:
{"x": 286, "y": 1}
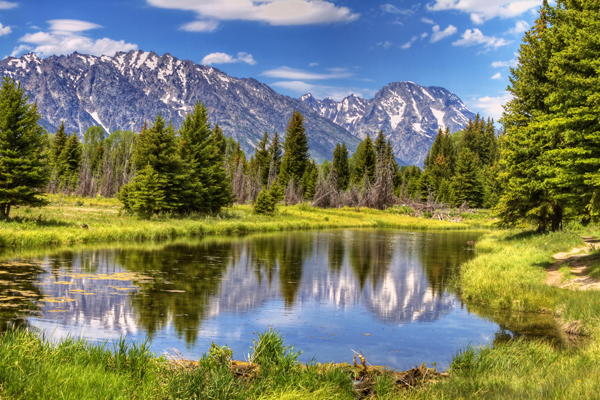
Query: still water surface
{"x": 384, "y": 292}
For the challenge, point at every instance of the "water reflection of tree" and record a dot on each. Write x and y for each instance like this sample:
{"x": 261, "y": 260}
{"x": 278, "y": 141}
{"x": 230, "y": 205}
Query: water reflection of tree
{"x": 19, "y": 295}
{"x": 337, "y": 251}
{"x": 442, "y": 254}
{"x": 185, "y": 277}
{"x": 291, "y": 261}
{"x": 370, "y": 257}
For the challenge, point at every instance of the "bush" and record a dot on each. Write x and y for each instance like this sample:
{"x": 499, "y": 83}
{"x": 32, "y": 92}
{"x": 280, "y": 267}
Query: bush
{"x": 265, "y": 203}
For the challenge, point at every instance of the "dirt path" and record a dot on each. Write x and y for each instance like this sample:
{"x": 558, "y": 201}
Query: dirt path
{"x": 576, "y": 259}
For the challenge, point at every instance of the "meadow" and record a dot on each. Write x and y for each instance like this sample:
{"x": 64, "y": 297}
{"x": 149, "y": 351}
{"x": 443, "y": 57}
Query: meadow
{"x": 71, "y": 220}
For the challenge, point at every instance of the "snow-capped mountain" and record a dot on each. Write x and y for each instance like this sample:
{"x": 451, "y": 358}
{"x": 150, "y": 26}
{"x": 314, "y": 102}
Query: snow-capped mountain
{"x": 123, "y": 91}
{"x": 408, "y": 114}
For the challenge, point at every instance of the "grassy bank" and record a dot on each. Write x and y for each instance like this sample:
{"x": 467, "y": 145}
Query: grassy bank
{"x": 508, "y": 275}
{"x": 69, "y": 221}
{"x": 31, "y": 367}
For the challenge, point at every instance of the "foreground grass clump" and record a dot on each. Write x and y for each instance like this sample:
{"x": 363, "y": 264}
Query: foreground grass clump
{"x": 32, "y": 367}
{"x": 70, "y": 220}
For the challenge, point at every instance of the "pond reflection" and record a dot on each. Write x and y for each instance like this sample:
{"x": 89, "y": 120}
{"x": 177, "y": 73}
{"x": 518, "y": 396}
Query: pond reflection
{"x": 381, "y": 291}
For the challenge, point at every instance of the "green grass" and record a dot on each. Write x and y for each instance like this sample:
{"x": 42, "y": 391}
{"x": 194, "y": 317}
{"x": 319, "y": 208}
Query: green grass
{"x": 60, "y": 223}
{"x": 505, "y": 283}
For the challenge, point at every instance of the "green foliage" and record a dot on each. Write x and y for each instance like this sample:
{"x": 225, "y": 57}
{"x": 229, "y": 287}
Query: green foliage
{"x": 309, "y": 180}
{"x": 263, "y": 159}
{"x": 467, "y": 183}
{"x": 295, "y": 151}
{"x": 265, "y": 202}
{"x": 22, "y": 156}
{"x": 365, "y": 161}
{"x": 341, "y": 166}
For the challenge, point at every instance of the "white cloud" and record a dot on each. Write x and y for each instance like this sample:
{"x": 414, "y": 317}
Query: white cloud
{"x": 7, "y": 5}
{"x": 483, "y": 10}
{"x": 201, "y": 26}
{"x": 386, "y": 45}
{"x": 222, "y": 58}
{"x": 473, "y": 37}
{"x": 497, "y": 76}
{"x": 407, "y": 45}
{"x": 313, "y": 64}
{"x": 65, "y": 37}
{"x": 273, "y": 12}
{"x": 4, "y": 30}
{"x": 491, "y": 106}
{"x": 505, "y": 64}
{"x": 439, "y": 35}
{"x": 322, "y": 91}
{"x": 298, "y": 74}
{"x": 395, "y": 10}
{"x": 427, "y": 21}
{"x": 71, "y": 25}
{"x": 424, "y": 35}
{"x": 519, "y": 28}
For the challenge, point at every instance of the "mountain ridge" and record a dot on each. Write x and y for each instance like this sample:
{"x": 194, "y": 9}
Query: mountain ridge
{"x": 123, "y": 91}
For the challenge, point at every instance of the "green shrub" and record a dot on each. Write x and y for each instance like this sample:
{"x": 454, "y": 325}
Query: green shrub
{"x": 265, "y": 203}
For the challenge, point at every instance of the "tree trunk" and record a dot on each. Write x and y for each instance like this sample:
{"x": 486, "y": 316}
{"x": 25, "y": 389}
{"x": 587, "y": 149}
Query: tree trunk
{"x": 557, "y": 217}
{"x": 3, "y": 214}
{"x": 7, "y": 213}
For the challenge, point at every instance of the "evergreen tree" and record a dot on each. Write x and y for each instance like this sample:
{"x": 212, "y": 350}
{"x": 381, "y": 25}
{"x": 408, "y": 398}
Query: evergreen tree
{"x": 341, "y": 167}
{"x": 70, "y": 161}
{"x": 380, "y": 144}
{"x": 276, "y": 153}
{"x": 263, "y": 159}
{"x": 206, "y": 187}
{"x": 156, "y": 152}
{"x": 309, "y": 180}
{"x": 265, "y": 203}
{"x": 22, "y": 156}
{"x": 572, "y": 121}
{"x": 528, "y": 195}
{"x": 466, "y": 184}
{"x": 366, "y": 162}
{"x": 295, "y": 151}
{"x": 219, "y": 140}
{"x": 58, "y": 145}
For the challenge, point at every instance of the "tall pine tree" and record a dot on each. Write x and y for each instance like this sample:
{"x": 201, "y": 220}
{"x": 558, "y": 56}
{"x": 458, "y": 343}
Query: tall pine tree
{"x": 295, "y": 151}
{"x": 22, "y": 156}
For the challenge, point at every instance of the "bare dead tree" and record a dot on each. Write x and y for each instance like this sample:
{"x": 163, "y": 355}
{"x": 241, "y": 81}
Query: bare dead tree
{"x": 253, "y": 185}
{"x": 272, "y": 173}
{"x": 293, "y": 194}
{"x": 326, "y": 193}
{"x": 239, "y": 183}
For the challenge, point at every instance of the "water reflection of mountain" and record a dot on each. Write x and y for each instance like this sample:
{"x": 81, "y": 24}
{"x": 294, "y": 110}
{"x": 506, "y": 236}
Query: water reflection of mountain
{"x": 398, "y": 277}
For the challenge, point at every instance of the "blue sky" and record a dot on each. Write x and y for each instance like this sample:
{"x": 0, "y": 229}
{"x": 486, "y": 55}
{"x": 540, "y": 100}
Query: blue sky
{"x": 330, "y": 48}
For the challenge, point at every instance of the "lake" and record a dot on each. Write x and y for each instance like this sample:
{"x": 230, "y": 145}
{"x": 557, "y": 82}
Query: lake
{"x": 386, "y": 293}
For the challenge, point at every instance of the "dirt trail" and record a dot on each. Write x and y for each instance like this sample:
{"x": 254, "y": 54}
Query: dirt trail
{"x": 576, "y": 260}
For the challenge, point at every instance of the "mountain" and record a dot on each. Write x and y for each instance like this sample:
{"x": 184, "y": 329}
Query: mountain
{"x": 408, "y": 114}
{"x": 123, "y": 91}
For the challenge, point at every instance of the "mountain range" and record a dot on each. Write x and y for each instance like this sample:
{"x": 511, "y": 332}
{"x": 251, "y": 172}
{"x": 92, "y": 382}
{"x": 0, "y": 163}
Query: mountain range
{"x": 123, "y": 91}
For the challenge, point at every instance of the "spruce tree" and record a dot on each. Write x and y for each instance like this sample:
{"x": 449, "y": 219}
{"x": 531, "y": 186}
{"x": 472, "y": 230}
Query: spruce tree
{"x": 22, "y": 156}
{"x": 309, "y": 180}
{"x": 529, "y": 196}
{"x": 295, "y": 151}
{"x": 467, "y": 183}
{"x": 341, "y": 167}
{"x": 366, "y": 162}
{"x": 263, "y": 159}
{"x": 206, "y": 187}
{"x": 276, "y": 153}
{"x": 156, "y": 151}
{"x": 219, "y": 140}
{"x": 70, "y": 161}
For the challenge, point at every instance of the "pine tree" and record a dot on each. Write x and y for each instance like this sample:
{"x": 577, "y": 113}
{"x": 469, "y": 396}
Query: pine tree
{"x": 206, "y": 186}
{"x": 276, "y": 153}
{"x": 366, "y": 162}
{"x": 380, "y": 144}
{"x": 219, "y": 140}
{"x": 265, "y": 203}
{"x": 309, "y": 180}
{"x": 466, "y": 184}
{"x": 156, "y": 151}
{"x": 572, "y": 121}
{"x": 341, "y": 167}
{"x": 22, "y": 156}
{"x": 70, "y": 161}
{"x": 263, "y": 159}
{"x": 295, "y": 151}
{"x": 528, "y": 196}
